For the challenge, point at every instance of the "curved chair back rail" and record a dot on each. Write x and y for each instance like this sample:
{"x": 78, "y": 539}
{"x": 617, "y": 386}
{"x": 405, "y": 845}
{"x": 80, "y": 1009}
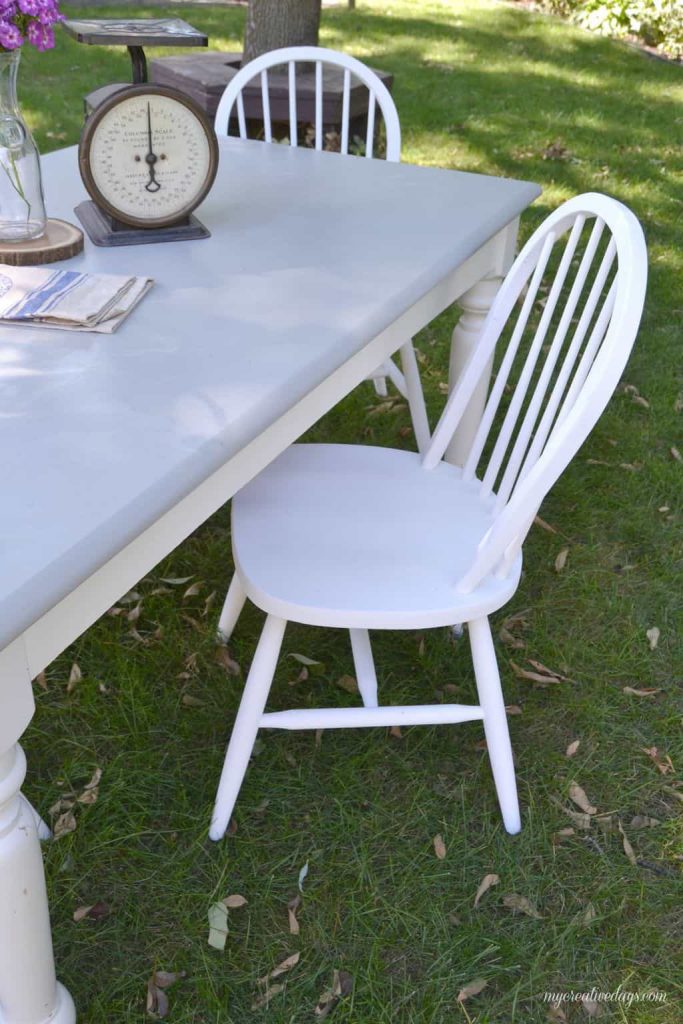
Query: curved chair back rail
{"x": 291, "y": 56}
{"x": 561, "y": 368}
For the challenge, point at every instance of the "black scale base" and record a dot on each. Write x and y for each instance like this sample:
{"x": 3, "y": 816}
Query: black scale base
{"x": 106, "y": 231}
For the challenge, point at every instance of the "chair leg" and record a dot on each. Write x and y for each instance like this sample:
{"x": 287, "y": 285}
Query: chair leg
{"x": 365, "y": 666}
{"x": 415, "y": 396}
{"x": 380, "y": 384}
{"x": 495, "y": 721}
{"x": 234, "y": 603}
{"x": 246, "y": 725}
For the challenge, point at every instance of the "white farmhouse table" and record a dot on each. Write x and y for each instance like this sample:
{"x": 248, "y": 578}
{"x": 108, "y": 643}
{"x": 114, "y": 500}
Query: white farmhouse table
{"x": 114, "y": 448}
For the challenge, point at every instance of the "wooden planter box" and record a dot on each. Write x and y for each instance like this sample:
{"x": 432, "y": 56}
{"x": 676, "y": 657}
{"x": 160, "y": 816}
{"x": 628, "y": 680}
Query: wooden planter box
{"x": 205, "y": 76}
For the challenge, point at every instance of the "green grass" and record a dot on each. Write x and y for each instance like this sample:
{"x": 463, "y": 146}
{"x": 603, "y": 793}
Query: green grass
{"x": 480, "y": 87}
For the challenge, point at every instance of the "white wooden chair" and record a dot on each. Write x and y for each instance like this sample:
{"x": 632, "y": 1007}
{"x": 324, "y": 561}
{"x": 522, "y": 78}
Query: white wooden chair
{"x": 359, "y": 537}
{"x": 379, "y": 97}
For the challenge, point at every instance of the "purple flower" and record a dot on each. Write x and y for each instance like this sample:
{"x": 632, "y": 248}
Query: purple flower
{"x": 10, "y": 36}
{"x": 48, "y": 11}
{"x": 31, "y": 7}
{"x": 40, "y": 36}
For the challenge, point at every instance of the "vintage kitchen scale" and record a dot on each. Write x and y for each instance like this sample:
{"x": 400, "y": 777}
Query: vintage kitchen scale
{"x": 148, "y": 157}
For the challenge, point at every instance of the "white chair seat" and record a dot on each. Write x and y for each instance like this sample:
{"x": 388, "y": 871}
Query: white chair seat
{"x": 359, "y": 536}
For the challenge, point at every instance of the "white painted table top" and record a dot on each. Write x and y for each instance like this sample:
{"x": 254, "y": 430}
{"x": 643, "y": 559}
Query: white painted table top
{"x": 312, "y": 255}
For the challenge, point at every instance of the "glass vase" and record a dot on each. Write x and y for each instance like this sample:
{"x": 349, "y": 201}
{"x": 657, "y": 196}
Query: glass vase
{"x": 22, "y": 206}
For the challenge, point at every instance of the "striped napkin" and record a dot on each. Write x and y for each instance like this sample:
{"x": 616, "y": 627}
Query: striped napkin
{"x": 68, "y": 299}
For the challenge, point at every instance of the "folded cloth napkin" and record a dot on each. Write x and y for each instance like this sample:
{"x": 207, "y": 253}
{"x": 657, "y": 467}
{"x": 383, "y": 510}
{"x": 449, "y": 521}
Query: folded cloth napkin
{"x": 68, "y": 299}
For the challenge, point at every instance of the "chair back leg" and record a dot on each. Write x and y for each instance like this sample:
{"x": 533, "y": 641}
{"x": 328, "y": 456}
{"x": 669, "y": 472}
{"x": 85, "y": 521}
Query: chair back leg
{"x": 256, "y": 690}
{"x": 495, "y": 721}
{"x": 234, "y": 603}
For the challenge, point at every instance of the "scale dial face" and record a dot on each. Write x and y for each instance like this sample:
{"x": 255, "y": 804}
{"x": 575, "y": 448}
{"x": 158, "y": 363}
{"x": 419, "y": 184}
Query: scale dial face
{"x": 148, "y": 156}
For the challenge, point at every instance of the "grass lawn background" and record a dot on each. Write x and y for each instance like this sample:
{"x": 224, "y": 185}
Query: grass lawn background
{"x": 479, "y": 87}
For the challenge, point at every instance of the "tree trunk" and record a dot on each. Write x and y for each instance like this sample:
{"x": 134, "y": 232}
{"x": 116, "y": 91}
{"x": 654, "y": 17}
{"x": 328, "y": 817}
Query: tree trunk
{"x": 275, "y": 23}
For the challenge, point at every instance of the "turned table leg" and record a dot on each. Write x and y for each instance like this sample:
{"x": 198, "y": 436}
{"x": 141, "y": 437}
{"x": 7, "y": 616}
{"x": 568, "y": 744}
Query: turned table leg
{"x": 29, "y": 991}
{"x": 476, "y": 303}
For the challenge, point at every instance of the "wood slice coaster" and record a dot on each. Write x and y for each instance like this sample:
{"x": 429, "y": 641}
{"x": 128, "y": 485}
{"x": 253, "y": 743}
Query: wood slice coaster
{"x": 60, "y": 241}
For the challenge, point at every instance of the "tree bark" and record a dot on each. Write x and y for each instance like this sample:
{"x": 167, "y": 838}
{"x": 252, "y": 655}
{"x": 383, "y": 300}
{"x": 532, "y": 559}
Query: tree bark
{"x": 275, "y": 23}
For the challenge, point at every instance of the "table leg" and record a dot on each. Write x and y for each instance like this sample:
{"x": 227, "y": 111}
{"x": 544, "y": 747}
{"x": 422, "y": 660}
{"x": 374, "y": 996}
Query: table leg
{"x": 29, "y": 991}
{"x": 476, "y": 303}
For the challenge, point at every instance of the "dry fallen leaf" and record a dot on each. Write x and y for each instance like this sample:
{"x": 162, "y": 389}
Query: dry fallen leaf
{"x": 543, "y": 677}
{"x": 513, "y": 709}
{"x": 572, "y": 748}
{"x": 347, "y": 683}
{"x": 544, "y": 526}
{"x": 439, "y": 846}
{"x": 75, "y": 677}
{"x": 556, "y": 1014}
{"x": 577, "y": 794}
{"x": 590, "y": 1007}
{"x": 342, "y": 985}
{"x": 540, "y": 667}
{"x": 157, "y": 1000}
{"x": 193, "y": 590}
{"x": 218, "y": 925}
{"x": 234, "y": 902}
{"x": 473, "y": 988}
{"x": 652, "y": 635}
{"x": 563, "y": 833}
{"x": 176, "y": 581}
{"x": 41, "y": 680}
{"x": 664, "y": 763}
{"x": 266, "y": 996}
{"x": 484, "y": 886}
{"x": 395, "y": 731}
{"x": 91, "y": 786}
{"x": 95, "y": 911}
{"x": 134, "y": 614}
{"x": 555, "y": 151}
{"x": 518, "y": 620}
{"x": 223, "y": 658}
{"x": 628, "y": 849}
{"x": 675, "y": 454}
{"x": 188, "y": 701}
{"x": 520, "y": 903}
{"x": 282, "y": 968}
{"x": 292, "y": 909}
{"x": 634, "y": 692}
{"x": 508, "y": 638}
{"x": 643, "y": 821}
{"x": 64, "y": 824}
{"x": 309, "y": 663}
{"x": 561, "y": 560}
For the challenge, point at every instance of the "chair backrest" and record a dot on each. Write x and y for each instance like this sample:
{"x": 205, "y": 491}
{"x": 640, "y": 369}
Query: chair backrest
{"x": 378, "y": 96}
{"x": 580, "y": 305}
